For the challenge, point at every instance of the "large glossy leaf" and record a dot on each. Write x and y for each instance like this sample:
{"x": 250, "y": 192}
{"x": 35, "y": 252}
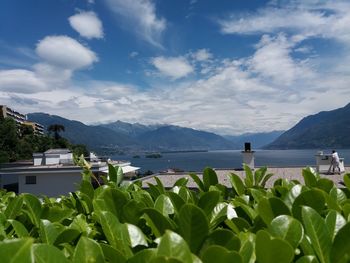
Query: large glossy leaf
{"x": 115, "y": 174}
{"x": 49, "y": 231}
{"x": 220, "y": 254}
{"x": 32, "y": 208}
{"x": 288, "y": 229}
{"x": 307, "y": 259}
{"x": 317, "y": 231}
{"x": 44, "y": 253}
{"x": 209, "y": 178}
{"x": 247, "y": 247}
{"x": 181, "y": 182}
{"x": 111, "y": 254}
{"x": 224, "y": 238}
{"x": 249, "y": 178}
{"x": 111, "y": 200}
{"x": 16, "y": 250}
{"x": 88, "y": 251}
{"x": 325, "y": 184}
{"x": 198, "y": 181}
{"x": 87, "y": 188}
{"x": 294, "y": 192}
{"x": 164, "y": 205}
{"x": 144, "y": 256}
{"x": 157, "y": 221}
{"x": 14, "y": 207}
{"x": 346, "y": 178}
{"x": 313, "y": 198}
{"x": 340, "y": 251}
{"x": 56, "y": 213}
{"x": 269, "y": 208}
{"x": 19, "y": 228}
{"x": 132, "y": 211}
{"x": 334, "y": 222}
{"x": 272, "y": 250}
{"x": 177, "y": 201}
{"x": 237, "y": 184}
{"x": 218, "y": 215}
{"x": 160, "y": 185}
{"x": 208, "y": 201}
{"x": 310, "y": 177}
{"x": 172, "y": 245}
{"x": 66, "y": 236}
{"x": 193, "y": 226}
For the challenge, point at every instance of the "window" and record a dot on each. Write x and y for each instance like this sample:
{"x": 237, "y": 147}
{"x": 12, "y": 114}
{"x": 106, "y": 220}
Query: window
{"x": 30, "y": 179}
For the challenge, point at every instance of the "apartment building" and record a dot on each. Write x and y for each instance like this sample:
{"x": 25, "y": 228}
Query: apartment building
{"x": 21, "y": 119}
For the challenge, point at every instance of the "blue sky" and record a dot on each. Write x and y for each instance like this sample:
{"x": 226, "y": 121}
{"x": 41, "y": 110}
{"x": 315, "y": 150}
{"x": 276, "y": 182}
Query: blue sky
{"x": 224, "y": 66}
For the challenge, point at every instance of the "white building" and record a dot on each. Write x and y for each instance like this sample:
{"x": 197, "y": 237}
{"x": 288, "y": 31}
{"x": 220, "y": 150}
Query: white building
{"x": 53, "y": 173}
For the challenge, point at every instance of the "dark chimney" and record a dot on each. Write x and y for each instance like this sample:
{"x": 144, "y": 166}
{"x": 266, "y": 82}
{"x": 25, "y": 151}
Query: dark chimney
{"x": 247, "y": 147}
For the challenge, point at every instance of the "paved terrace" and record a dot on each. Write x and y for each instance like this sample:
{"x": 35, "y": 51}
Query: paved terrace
{"x": 290, "y": 173}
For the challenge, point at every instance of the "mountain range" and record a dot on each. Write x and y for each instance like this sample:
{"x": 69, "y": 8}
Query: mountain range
{"x": 326, "y": 129}
{"x": 122, "y": 136}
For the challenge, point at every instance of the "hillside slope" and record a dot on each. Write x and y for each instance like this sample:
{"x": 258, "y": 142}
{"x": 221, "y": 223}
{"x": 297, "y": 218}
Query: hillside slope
{"x": 327, "y": 129}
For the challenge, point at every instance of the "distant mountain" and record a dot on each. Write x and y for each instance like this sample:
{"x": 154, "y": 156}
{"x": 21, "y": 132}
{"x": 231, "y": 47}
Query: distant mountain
{"x": 122, "y": 136}
{"x": 258, "y": 140}
{"x": 327, "y": 129}
{"x": 95, "y": 137}
{"x": 179, "y": 138}
{"x": 130, "y": 129}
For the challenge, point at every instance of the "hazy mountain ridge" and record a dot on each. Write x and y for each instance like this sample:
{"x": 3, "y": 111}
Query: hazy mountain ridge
{"x": 121, "y": 136}
{"x": 326, "y": 129}
{"x": 258, "y": 140}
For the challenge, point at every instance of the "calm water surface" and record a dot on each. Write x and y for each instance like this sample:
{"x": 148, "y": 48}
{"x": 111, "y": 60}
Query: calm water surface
{"x": 196, "y": 161}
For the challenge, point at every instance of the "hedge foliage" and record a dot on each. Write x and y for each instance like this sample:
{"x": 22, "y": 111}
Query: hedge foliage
{"x": 290, "y": 222}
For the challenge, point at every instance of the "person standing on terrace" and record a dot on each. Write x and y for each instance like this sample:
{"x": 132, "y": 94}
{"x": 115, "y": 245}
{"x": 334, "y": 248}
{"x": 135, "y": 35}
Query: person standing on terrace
{"x": 335, "y": 161}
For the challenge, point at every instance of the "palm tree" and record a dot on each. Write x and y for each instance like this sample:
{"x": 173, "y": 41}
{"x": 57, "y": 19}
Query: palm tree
{"x": 56, "y": 129}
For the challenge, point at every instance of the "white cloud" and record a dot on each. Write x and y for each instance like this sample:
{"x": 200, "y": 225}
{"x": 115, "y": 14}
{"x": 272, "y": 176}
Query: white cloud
{"x": 87, "y": 24}
{"x": 174, "y": 67}
{"x": 202, "y": 55}
{"x": 65, "y": 52}
{"x": 20, "y": 81}
{"x": 324, "y": 19}
{"x": 140, "y": 17}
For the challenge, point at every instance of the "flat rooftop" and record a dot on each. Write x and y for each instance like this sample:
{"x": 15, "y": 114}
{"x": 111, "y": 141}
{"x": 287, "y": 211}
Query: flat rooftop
{"x": 290, "y": 173}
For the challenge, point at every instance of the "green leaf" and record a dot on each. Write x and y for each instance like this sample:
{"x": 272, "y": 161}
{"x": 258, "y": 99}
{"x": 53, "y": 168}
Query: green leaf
{"x": 66, "y": 236}
{"x": 177, "y": 201}
{"x": 144, "y": 256}
{"x": 198, "y": 181}
{"x": 310, "y": 177}
{"x": 181, "y": 182}
{"x": 316, "y": 229}
{"x": 16, "y": 250}
{"x": 88, "y": 251}
{"x": 193, "y": 226}
{"x": 340, "y": 251}
{"x": 220, "y": 254}
{"x": 19, "y": 228}
{"x": 346, "y": 179}
{"x": 249, "y": 178}
{"x": 209, "y": 178}
{"x": 114, "y": 232}
{"x": 48, "y": 231}
{"x": 208, "y": 201}
{"x": 111, "y": 254}
{"x": 218, "y": 215}
{"x": 237, "y": 184}
{"x": 87, "y": 188}
{"x": 157, "y": 221}
{"x": 160, "y": 185}
{"x": 132, "y": 211}
{"x": 14, "y": 207}
{"x": 247, "y": 247}
{"x": 111, "y": 200}
{"x": 307, "y": 259}
{"x": 56, "y": 214}
{"x": 288, "y": 229}
{"x": 224, "y": 238}
{"x": 325, "y": 184}
{"x": 269, "y": 208}
{"x": 115, "y": 174}
{"x": 334, "y": 222}
{"x": 313, "y": 198}
{"x": 272, "y": 250}
{"x": 33, "y": 208}
{"x": 44, "y": 253}
{"x": 164, "y": 205}
{"x": 172, "y": 245}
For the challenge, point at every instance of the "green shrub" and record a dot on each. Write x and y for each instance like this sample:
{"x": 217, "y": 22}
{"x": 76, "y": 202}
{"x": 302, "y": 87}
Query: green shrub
{"x": 119, "y": 222}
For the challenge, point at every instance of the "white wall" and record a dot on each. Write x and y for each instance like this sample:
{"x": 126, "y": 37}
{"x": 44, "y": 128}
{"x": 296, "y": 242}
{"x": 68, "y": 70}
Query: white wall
{"x": 52, "y": 185}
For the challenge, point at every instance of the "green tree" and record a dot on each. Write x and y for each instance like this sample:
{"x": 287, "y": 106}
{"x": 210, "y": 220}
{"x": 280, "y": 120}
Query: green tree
{"x": 8, "y": 139}
{"x": 56, "y": 129}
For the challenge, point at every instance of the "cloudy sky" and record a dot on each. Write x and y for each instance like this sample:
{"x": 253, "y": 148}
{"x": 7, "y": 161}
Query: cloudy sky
{"x": 224, "y": 66}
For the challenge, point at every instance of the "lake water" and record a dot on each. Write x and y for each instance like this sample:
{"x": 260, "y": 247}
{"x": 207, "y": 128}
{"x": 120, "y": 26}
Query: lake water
{"x": 197, "y": 161}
